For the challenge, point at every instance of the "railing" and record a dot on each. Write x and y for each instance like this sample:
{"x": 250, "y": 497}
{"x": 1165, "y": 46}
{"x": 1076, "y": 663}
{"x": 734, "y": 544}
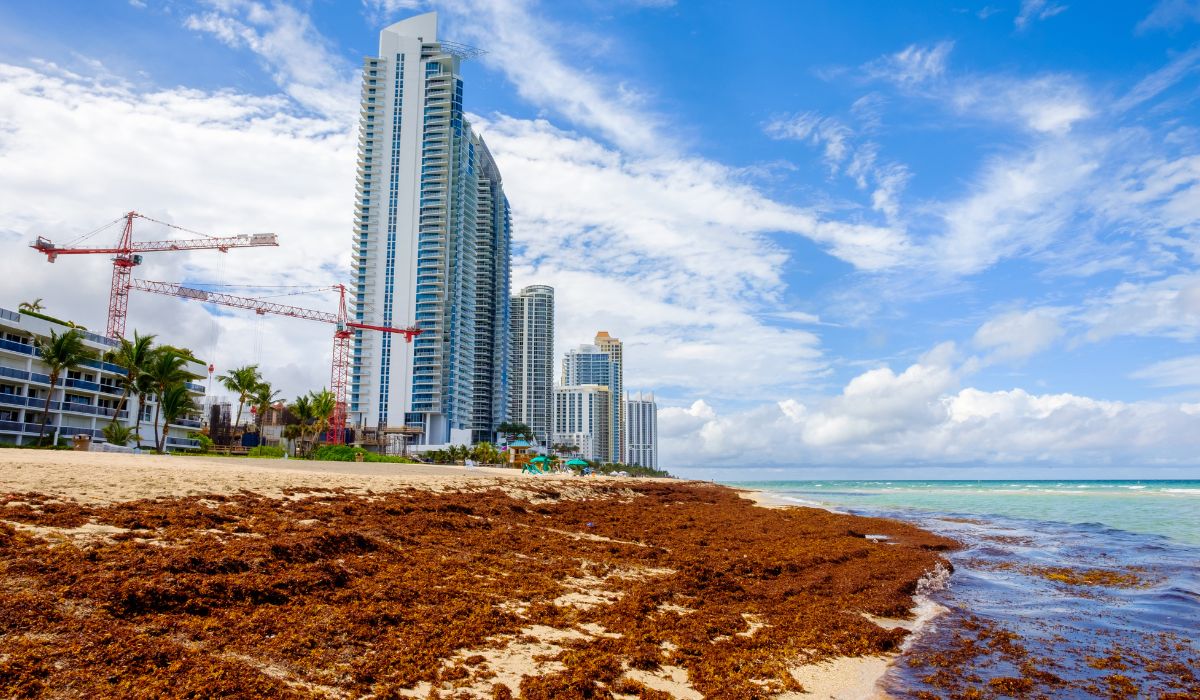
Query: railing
{"x": 59, "y": 406}
{"x": 106, "y": 366}
{"x": 11, "y": 426}
{"x": 195, "y": 388}
{"x": 82, "y": 384}
{"x": 183, "y": 442}
{"x": 186, "y": 423}
{"x": 17, "y": 347}
{"x": 10, "y": 315}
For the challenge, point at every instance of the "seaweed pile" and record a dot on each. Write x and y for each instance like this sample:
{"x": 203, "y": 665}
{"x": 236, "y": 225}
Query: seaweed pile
{"x": 413, "y": 593}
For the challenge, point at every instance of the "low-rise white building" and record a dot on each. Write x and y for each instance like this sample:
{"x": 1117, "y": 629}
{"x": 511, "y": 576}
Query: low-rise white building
{"x": 641, "y": 430}
{"x": 86, "y": 397}
{"x": 581, "y": 419}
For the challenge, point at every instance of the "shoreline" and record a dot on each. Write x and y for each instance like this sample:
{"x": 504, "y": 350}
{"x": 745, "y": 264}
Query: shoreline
{"x": 868, "y": 678}
{"x": 577, "y": 557}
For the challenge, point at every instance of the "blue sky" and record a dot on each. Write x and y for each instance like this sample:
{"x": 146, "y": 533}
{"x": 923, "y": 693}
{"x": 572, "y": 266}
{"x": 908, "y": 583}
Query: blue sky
{"x": 959, "y": 237}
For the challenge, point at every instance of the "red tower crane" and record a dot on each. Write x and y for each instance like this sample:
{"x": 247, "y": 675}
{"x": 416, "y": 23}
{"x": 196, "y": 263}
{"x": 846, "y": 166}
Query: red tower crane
{"x": 341, "y": 334}
{"x": 127, "y": 255}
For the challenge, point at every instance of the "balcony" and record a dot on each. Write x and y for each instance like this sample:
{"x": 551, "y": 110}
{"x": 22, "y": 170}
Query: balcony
{"x": 17, "y": 347}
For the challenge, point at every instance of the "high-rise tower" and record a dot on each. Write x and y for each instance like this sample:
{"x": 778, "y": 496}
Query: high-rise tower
{"x": 531, "y": 388}
{"x": 417, "y": 244}
{"x": 493, "y": 333}
{"x": 641, "y": 430}
{"x": 612, "y": 346}
{"x": 600, "y": 364}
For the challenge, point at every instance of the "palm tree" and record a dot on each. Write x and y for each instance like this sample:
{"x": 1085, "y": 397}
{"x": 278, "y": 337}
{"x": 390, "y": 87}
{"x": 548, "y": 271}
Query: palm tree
{"x": 174, "y": 402}
{"x": 166, "y": 369}
{"x": 33, "y": 306}
{"x": 264, "y": 397}
{"x": 242, "y": 381}
{"x": 143, "y": 387}
{"x": 133, "y": 357}
{"x": 302, "y": 410}
{"x": 323, "y": 404}
{"x": 60, "y": 352}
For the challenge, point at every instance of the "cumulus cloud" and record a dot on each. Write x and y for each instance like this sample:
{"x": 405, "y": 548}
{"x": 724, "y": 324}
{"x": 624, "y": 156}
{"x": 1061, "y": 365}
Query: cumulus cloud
{"x": 920, "y": 416}
{"x": 220, "y": 163}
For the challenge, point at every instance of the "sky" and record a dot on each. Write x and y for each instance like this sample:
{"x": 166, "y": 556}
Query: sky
{"x": 842, "y": 238}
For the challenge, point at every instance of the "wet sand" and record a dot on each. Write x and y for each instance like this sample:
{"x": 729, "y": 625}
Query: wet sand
{"x": 286, "y": 578}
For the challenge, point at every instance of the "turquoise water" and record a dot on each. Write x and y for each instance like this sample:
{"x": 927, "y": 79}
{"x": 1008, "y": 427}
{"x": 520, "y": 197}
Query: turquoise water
{"x": 1168, "y": 508}
{"x": 1012, "y": 529}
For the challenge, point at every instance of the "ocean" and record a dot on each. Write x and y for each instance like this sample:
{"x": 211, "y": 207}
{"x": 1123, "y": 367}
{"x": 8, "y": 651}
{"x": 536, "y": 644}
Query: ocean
{"x": 1063, "y": 588}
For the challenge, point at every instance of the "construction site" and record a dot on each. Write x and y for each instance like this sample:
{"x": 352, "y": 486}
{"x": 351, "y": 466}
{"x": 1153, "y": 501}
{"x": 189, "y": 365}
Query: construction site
{"x": 212, "y": 416}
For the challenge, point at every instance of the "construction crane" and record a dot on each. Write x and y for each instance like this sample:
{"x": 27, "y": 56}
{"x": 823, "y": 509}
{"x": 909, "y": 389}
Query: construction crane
{"x": 344, "y": 329}
{"x": 127, "y": 255}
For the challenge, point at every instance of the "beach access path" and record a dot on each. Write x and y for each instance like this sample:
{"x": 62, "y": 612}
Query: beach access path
{"x": 142, "y": 574}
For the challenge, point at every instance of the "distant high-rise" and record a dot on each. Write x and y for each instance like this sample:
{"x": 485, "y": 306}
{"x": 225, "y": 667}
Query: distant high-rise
{"x": 581, "y": 415}
{"x": 601, "y": 363}
{"x": 531, "y": 375}
{"x": 641, "y": 430}
{"x": 430, "y": 247}
{"x": 493, "y": 331}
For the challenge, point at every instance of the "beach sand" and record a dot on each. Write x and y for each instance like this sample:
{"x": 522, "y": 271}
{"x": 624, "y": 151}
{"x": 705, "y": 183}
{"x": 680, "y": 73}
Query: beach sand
{"x": 142, "y": 575}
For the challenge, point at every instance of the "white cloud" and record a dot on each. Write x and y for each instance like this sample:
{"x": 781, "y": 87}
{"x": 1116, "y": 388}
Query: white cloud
{"x": 1161, "y": 79}
{"x": 912, "y": 66}
{"x": 300, "y": 60}
{"x": 522, "y": 47}
{"x": 1171, "y": 14}
{"x": 1181, "y": 371}
{"x": 918, "y": 416}
{"x": 1168, "y": 307}
{"x": 1048, "y": 103}
{"x": 1032, "y": 10}
{"x": 215, "y": 162}
{"x": 1017, "y": 206}
{"x": 817, "y": 130}
{"x": 1017, "y": 335}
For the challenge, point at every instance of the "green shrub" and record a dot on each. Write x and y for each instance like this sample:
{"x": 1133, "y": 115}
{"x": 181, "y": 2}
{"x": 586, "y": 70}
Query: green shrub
{"x": 346, "y": 453}
{"x": 266, "y": 451}
{"x": 117, "y": 434}
{"x": 206, "y": 443}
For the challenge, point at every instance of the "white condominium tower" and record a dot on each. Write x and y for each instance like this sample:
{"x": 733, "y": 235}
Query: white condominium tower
{"x": 601, "y": 364}
{"x": 531, "y": 389}
{"x": 430, "y": 247}
{"x": 641, "y": 430}
{"x": 581, "y": 420}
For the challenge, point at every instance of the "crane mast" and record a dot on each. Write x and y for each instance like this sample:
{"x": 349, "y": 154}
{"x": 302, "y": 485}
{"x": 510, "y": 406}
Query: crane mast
{"x": 343, "y": 331}
{"x": 126, "y": 256}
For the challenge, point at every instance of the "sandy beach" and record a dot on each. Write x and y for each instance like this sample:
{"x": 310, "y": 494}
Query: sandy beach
{"x": 141, "y": 576}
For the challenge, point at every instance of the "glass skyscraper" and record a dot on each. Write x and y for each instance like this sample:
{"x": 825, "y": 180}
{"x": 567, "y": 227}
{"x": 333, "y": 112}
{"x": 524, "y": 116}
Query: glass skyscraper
{"x": 431, "y": 247}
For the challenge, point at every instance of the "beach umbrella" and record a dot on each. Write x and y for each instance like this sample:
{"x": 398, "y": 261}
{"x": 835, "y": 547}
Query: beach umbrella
{"x": 538, "y": 459}
{"x": 576, "y": 463}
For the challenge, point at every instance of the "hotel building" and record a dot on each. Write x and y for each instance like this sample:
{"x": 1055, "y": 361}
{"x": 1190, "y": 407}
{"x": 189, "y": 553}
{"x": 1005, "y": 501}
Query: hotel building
{"x": 85, "y": 398}
{"x": 581, "y": 420}
{"x": 431, "y": 248}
